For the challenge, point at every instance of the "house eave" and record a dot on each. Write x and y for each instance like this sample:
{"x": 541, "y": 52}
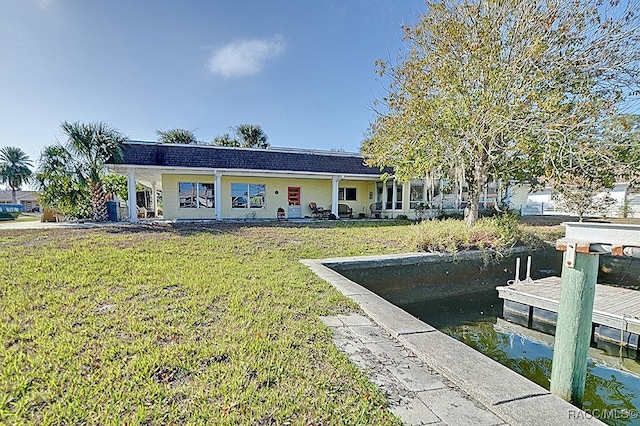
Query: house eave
{"x": 154, "y": 173}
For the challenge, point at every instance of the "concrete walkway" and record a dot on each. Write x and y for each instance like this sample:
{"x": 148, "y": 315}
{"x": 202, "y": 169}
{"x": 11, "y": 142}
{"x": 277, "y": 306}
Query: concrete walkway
{"x": 416, "y": 393}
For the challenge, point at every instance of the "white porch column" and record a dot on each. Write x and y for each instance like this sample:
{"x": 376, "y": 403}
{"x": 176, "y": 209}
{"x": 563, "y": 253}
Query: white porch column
{"x": 406, "y": 196}
{"x": 217, "y": 195}
{"x": 334, "y": 195}
{"x": 131, "y": 186}
{"x": 155, "y": 199}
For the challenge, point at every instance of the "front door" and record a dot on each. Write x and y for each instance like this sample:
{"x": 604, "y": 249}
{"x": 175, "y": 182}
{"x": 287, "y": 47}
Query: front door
{"x": 293, "y": 200}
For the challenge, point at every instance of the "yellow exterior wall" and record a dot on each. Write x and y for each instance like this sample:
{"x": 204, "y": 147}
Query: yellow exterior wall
{"x": 311, "y": 190}
{"x": 170, "y": 205}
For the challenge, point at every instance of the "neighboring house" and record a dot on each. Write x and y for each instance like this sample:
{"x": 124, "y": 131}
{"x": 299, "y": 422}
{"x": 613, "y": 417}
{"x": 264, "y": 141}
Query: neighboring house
{"x": 28, "y": 199}
{"x": 541, "y": 202}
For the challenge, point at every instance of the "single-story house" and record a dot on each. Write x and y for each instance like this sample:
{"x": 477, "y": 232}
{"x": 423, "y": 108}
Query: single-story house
{"x": 200, "y": 182}
{"x": 28, "y": 199}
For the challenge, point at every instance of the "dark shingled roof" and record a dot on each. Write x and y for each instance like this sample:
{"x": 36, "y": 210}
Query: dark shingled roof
{"x": 165, "y": 155}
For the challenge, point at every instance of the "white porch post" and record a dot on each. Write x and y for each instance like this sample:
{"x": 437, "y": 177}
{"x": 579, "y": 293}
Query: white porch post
{"x": 334, "y": 195}
{"x": 406, "y": 196}
{"x": 394, "y": 194}
{"x": 155, "y": 199}
{"x": 383, "y": 200}
{"x": 217, "y": 195}
{"x": 131, "y": 186}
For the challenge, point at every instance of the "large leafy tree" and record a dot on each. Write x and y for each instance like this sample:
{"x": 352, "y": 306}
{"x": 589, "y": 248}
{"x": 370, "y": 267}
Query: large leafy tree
{"x": 15, "y": 169}
{"x": 509, "y": 89}
{"x": 67, "y": 170}
{"x": 177, "y": 135}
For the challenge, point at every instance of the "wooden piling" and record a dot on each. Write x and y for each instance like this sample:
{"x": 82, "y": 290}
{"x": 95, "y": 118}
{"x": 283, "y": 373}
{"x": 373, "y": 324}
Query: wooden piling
{"x": 573, "y": 332}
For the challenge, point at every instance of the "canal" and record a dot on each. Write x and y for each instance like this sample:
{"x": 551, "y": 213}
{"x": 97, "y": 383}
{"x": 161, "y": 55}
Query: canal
{"x": 459, "y": 299}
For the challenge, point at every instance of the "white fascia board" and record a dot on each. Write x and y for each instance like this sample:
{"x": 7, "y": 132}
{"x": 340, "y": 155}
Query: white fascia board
{"x": 123, "y": 168}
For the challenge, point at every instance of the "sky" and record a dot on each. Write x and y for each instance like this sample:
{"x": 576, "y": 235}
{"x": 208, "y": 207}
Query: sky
{"x": 302, "y": 70}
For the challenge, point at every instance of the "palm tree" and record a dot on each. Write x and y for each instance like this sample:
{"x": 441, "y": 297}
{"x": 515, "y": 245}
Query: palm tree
{"x": 92, "y": 145}
{"x": 14, "y": 169}
{"x": 59, "y": 185}
{"x": 225, "y": 140}
{"x": 252, "y": 136}
{"x": 176, "y": 135}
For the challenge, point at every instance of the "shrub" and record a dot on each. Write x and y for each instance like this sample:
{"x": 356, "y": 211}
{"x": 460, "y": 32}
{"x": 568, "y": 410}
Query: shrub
{"x": 450, "y": 235}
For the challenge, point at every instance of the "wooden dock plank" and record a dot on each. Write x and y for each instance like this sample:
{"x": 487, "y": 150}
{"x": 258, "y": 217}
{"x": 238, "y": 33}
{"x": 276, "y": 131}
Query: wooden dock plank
{"x": 610, "y": 306}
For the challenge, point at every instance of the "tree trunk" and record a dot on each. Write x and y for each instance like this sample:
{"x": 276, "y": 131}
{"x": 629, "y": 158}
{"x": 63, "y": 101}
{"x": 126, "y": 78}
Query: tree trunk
{"x": 471, "y": 211}
{"x": 99, "y": 211}
{"x": 14, "y": 197}
{"x": 475, "y": 189}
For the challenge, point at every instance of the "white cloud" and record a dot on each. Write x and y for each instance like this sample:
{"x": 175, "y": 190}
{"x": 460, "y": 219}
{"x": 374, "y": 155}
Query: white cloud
{"x": 245, "y": 57}
{"x": 44, "y": 3}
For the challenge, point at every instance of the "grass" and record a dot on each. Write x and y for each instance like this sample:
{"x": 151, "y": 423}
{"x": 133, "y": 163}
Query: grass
{"x": 26, "y": 218}
{"x": 186, "y": 324}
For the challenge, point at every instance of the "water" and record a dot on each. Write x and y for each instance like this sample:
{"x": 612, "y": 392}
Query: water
{"x": 461, "y": 301}
{"x": 475, "y": 319}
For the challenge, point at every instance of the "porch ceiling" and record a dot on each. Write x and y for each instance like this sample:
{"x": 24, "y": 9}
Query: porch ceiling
{"x": 144, "y": 176}
{"x": 149, "y": 175}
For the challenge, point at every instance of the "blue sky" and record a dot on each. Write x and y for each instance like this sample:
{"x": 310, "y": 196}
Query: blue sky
{"x": 302, "y": 70}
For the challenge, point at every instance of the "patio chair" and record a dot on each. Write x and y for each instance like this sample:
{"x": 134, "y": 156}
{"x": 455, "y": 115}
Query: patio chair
{"x": 143, "y": 212}
{"x": 376, "y": 209}
{"x": 344, "y": 210}
{"x": 316, "y": 211}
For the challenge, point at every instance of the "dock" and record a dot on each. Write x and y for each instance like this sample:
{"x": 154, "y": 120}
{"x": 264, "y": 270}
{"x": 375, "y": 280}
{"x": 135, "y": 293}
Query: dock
{"x": 534, "y": 304}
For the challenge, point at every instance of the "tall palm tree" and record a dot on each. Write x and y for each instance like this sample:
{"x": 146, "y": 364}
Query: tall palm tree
{"x": 14, "y": 169}
{"x": 92, "y": 145}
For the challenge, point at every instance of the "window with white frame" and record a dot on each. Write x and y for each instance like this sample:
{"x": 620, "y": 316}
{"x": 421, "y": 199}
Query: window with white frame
{"x": 196, "y": 195}
{"x": 416, "y": 195}
{"x": 393, "y": 195}
{"x": 347, "y": 194}
{"x": 247, "y": 196}
{"x": 399, "y": 191}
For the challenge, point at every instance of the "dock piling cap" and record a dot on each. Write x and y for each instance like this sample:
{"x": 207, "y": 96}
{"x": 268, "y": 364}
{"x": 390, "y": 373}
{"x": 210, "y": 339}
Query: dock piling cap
{"x": 617, "y": 239}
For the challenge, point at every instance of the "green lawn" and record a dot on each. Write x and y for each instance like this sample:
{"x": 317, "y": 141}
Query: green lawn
{"x": 184, "y": 324}
{"x": 25, "y": 218}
